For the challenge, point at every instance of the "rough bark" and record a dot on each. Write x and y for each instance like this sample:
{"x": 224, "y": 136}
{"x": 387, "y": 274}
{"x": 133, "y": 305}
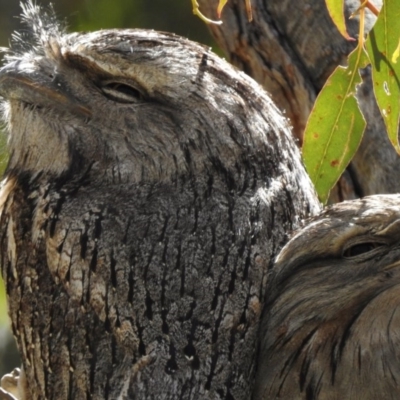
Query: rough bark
{"x": 291, "y": 47}
{"x": 136, "y": 238}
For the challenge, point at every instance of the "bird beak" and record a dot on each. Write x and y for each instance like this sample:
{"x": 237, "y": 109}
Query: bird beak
{"x": 23, "y": 82}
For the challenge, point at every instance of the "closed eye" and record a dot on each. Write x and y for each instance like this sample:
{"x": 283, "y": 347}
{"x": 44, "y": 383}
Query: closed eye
{"x": 361, "y": 249}
{"x": 121, "y": 92}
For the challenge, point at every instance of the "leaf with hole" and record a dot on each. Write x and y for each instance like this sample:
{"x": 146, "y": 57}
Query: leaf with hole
{"x": 382, "y": 44}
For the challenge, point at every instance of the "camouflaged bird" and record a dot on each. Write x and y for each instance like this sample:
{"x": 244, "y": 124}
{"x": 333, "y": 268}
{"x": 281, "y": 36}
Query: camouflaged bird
{"x": 330, "y": 329}
{"x": 148, "y": 189}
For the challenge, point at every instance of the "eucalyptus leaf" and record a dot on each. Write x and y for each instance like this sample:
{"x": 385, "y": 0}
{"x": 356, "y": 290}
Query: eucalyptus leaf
{"x": 382, "y": 46}
{"x": 335, "y": 126}
{"x": 335, "y": 9}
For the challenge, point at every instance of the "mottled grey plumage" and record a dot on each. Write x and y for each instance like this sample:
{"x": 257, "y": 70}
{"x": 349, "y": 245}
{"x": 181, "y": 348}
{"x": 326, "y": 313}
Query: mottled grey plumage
{"x": 332, "y": 319}
{"x": 148, "y": 189}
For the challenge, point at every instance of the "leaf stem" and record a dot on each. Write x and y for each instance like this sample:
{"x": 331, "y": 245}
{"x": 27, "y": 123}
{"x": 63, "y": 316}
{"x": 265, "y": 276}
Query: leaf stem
{"x": 372, "y": 8}
{"x": 196, "y": 11}
{"x": 361, "y": 39}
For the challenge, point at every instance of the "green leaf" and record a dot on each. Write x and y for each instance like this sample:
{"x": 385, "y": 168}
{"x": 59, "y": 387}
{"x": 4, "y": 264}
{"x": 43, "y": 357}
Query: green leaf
{"x": 335, "y": 9}
{"x": 335, "y": 126}
{"x": 382, "y": 46}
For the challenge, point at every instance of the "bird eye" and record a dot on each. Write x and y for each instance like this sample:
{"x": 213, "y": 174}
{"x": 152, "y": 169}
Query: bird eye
{"x": 360, "y": 249}
{"x": 121, "y": 92}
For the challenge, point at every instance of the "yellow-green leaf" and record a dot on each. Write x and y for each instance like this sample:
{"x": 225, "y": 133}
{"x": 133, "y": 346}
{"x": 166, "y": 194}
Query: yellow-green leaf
{"x": 382, "y": 45}
{"x": 335, "y": 126}
{"x": 335, "y": 9}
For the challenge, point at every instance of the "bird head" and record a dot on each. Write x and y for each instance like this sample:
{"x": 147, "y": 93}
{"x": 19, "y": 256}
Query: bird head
{"x": 131, "y": 105}
{"x": 332, "y": 316}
